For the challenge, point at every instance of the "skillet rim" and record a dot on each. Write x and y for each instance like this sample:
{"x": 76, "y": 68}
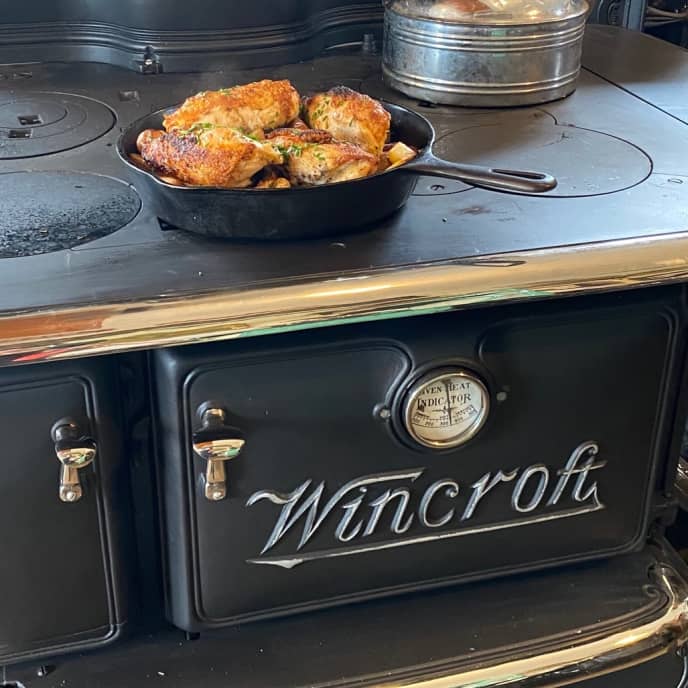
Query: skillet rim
{"x": 136, "y": 124}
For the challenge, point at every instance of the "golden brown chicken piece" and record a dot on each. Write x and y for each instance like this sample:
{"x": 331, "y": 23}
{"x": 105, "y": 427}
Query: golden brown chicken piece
{"x": 251, "y": 107}
{"x": 313, "y": 157}
{"x": 207, "y": 155}
{"x": 272, "y": 180}
{"x": 299, "y": 135}
{"x": 298, "y": 123}
{"x": 349, "y": 116}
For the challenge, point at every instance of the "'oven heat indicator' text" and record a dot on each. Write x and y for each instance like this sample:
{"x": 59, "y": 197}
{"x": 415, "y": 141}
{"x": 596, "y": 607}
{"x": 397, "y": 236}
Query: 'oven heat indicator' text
{"x": 407, "y": 512}
{"x": 446, "y": 409}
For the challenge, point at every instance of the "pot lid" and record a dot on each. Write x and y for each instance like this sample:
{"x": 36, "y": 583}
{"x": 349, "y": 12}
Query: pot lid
{"x": 489, "y": 11}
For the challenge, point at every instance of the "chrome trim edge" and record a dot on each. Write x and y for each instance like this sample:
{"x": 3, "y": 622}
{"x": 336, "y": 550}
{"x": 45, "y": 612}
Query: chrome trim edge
{"x": 666, "y": 630}
{"x": 681, "y": 483}
{"x": 290, "y": 561}
{"x": 88, "y": 329}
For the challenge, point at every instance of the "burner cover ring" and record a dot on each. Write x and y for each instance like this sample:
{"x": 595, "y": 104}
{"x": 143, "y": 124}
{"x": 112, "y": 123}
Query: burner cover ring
{"x": 52, "y": 211}
{"x": 23, "y": 113}
{"x": 40, "y": 123}
{"x": 585, "y": 162}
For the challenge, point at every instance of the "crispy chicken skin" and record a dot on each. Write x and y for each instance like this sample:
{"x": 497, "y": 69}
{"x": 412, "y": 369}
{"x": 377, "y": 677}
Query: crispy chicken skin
{"x": 314, "y": 157}
{"x": 349, "y": 116}
{"x": 207, "y": 155}
{"x": 298, "y": 123}
{"x": 297, "y": 135}
{"x": 272, "y": 179}
{"x": 262, "y": 135}
{"x": 251, "y": 107}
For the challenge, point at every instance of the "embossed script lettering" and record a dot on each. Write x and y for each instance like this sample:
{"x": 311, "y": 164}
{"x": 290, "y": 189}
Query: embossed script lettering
{"x": 441, "y": 510}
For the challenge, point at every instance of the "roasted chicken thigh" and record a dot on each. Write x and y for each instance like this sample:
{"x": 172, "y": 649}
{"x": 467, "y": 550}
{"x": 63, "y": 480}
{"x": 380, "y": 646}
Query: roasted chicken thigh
{"x": 262, "y": 135}
{"x": 207, "y": 155}
{"x": 250, "y": 108}
{"x": 349, "y": 116}
{"x": 314, "y": 157}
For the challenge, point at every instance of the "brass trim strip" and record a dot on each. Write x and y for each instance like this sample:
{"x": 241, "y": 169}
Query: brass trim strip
{"x": 89, "y": 329}
{"x": 666, "y": 631}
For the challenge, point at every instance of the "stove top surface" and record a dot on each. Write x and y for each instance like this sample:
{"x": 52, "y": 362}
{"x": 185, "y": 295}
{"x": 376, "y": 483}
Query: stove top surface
{"x": 72, "y": 230}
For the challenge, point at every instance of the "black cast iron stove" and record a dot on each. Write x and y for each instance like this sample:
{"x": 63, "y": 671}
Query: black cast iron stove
{"x": 310, "y": 470}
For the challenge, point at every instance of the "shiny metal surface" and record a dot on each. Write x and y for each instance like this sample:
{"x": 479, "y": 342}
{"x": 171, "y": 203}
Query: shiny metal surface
{"x": 74, "y": 452}
{"x": 663, "y": 630}
{"x": 483, "y": 65}
{"x": 504, "y": 12}
{"x": 211, "y": 445}
{"x": 410, "y": 504}
{"x": 681, "y": 483}
{"x": 84, "y": 330}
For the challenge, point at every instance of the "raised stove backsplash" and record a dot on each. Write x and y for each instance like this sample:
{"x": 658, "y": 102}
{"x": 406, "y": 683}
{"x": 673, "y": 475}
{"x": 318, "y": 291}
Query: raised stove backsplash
{"x": 184, "y": 37}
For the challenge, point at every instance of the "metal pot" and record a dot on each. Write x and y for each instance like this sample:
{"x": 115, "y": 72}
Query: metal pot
{"x": 468, "y": 52}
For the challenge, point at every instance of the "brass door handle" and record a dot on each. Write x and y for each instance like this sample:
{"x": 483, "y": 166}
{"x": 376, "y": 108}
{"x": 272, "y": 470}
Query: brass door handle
{"x": 216, "y": 443}
{"x": 74, "y": 451}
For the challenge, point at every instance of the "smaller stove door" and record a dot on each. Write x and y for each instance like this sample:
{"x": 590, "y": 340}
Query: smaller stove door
{"x": 57, "y": 533}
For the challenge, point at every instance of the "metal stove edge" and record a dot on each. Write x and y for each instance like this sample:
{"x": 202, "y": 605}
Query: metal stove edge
{"x": 661, "y": 631}
{"x": 91, "y": 329}
{"x": 654, "y": 630}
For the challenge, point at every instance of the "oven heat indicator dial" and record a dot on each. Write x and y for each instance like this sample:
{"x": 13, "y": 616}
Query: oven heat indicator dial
{"x": 446, "y": 408}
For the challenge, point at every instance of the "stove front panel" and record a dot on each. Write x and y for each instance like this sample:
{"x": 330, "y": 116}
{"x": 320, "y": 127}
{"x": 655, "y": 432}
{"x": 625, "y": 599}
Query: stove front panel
{"x": 64, "y": 568}
{"x": 322, "y": 495}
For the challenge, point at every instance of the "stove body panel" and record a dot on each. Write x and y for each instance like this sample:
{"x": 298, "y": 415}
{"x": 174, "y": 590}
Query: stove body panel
{"x": 206, "y": 36}
{"x": 65, "y": 565}
{"x": 331, "y": 501}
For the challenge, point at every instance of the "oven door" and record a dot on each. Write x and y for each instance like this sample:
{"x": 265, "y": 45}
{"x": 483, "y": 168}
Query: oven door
{"x": 61, "y": 586}
{"x": 296, "y": 473}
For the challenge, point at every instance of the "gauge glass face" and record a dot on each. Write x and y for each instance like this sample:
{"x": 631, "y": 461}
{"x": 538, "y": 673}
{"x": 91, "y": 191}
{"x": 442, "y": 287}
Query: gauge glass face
{"x": 446, "y": 409}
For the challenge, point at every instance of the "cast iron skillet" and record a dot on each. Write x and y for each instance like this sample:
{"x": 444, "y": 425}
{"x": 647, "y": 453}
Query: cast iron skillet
{"x": 311, "y": 211}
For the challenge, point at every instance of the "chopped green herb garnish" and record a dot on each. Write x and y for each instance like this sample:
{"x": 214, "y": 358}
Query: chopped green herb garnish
{"x": 196, "y": 128}
{"x": 245, "y": 133}
{"x": 292, "y": 150}
{"x": 295, "y": 151}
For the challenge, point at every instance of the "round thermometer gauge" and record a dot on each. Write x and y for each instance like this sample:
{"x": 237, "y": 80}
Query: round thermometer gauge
{"x": 446, "y": 408}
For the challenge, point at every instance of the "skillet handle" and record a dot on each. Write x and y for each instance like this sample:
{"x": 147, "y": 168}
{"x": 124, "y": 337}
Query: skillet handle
{"x": 502, "y": 180}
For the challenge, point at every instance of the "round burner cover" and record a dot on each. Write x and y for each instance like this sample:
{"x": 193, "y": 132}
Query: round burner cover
{"x": 40, "y": 123}
{"x": 584, "y": 162}
{"x": 52, "y": 211}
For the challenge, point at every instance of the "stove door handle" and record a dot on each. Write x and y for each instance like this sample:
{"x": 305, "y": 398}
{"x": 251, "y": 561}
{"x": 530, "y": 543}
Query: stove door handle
{"x": 75, "y": 451}
{"x": 216, "y": 442}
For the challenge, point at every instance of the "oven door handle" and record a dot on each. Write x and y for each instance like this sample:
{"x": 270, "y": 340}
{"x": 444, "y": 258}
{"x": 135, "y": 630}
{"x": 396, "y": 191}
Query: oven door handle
{"x": 216, "y": 443}
{"x": 75, "y": 451}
